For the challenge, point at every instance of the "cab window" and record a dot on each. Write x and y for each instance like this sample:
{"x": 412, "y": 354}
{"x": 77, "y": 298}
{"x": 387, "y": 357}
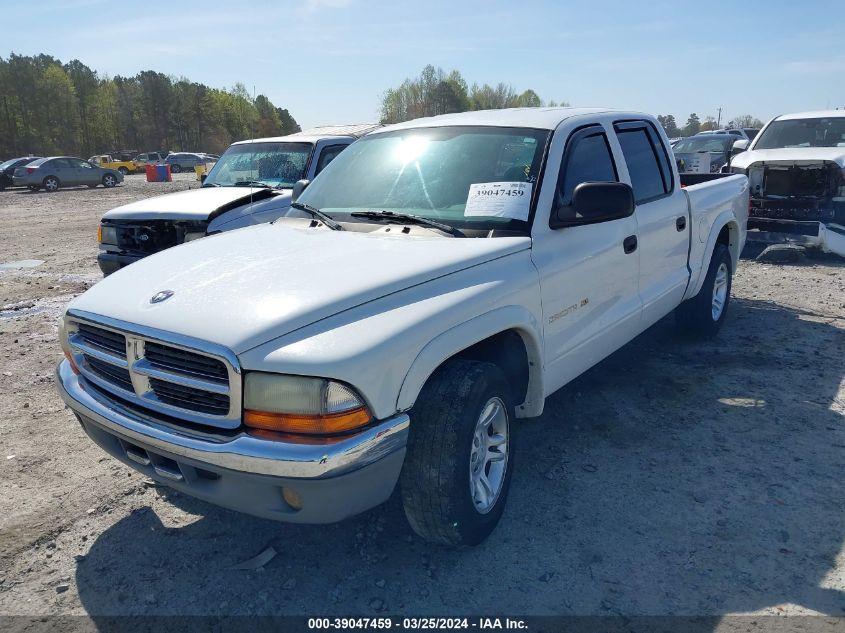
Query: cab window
{"x": 587, "y": 158}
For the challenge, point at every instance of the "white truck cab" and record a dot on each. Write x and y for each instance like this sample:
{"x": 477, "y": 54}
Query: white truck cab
{"x": 437, "y": 282}
{"x": 249, "y": 184}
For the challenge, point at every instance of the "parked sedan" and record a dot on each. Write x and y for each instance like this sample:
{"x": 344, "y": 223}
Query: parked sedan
{"x": 64, "y": 171}
{"x": 7, "y": 169}
{"x": 184, "y": 161}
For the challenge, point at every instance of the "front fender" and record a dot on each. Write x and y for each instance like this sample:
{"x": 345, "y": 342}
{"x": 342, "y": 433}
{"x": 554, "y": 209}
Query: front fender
{"x": 470, "y": 332}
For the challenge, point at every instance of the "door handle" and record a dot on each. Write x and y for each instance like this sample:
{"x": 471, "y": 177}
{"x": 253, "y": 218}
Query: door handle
{"x": 630, "y": 244}
{"x": 681, "y": 223}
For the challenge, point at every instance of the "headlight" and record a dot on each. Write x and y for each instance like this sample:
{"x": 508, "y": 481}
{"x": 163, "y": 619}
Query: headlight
{"x": 107, "y": 234}
{"x": 63, "y": 340}
{"x": 190, "y": 237}
{"x": 296, "y": 404}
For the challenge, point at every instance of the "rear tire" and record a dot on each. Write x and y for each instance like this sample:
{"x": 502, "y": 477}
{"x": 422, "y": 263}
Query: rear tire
{"x": 51, "y": 184}
{"x": 123, "y": 170}
{"x": 703, "y": 315}
{"x": 458, "y": 467}
{"x": 109, "y": 181}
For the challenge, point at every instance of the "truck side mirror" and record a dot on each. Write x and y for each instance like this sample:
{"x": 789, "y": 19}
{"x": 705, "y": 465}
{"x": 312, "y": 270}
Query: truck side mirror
{"x": 594, "y": 202}
{"x": 739, "y": 146}
{"x": 298, "y": 187}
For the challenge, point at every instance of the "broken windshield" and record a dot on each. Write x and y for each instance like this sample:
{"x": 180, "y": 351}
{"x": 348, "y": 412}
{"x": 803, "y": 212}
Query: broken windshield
{"x": 277, "y": 165}
{"x": 821, "y": 132}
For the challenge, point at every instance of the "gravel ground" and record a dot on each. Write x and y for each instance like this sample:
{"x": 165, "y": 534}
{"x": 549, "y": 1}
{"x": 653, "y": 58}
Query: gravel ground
{"x": 673, "y": 478}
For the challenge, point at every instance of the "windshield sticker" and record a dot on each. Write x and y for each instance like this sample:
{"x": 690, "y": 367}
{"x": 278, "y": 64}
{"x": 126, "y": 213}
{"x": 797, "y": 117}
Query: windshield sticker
{"x": 499, "y": 199}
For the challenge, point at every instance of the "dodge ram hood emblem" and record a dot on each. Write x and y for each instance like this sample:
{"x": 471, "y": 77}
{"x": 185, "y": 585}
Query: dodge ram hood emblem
{"x": 164, "y": 295}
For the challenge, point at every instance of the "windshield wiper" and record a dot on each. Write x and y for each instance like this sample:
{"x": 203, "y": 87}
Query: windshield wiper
{"x": 316, "y": 213}
{"x": 210, "y": 184}
{"x": 252, "y": 183}
{"x": 401, "y": 218}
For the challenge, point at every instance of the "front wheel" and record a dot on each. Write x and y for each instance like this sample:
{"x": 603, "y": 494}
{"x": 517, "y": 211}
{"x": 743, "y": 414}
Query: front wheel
{"x": 176, "y": 169}
{"x": 703, "y": 315}
{"x": 457, "y": 471}
{"x": 109, "y": 181}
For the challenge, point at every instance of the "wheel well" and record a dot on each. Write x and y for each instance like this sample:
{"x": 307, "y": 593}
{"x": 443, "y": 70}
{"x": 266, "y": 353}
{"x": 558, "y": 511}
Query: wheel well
{"x": 507, "y": 351}
{"x": 729, "y": 237}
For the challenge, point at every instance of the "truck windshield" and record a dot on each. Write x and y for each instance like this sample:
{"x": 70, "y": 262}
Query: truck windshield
{"x": 823, "y": 132}
{"x": 273, "y": 164}
{"x": 713, "y": 144}
{"x": 466, "y": 177}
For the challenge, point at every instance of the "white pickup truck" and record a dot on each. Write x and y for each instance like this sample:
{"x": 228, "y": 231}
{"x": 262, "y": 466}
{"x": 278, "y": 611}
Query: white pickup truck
{"x": 440, "y": 279}
{"x": 796, "y": 173}
{"x": 249, "y": 184}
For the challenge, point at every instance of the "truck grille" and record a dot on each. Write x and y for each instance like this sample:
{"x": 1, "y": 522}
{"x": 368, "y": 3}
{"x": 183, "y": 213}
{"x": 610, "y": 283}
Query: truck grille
{"x": 173, "y": 359}
{"x": 104, "y": 339}
{"x": 200, "y": 386}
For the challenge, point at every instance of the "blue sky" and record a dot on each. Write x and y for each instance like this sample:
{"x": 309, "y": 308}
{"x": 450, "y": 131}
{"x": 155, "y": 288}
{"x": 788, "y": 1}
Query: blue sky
{"x": 328, "y": 61}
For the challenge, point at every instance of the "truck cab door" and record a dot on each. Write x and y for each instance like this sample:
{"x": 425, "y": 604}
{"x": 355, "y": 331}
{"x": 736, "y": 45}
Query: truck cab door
{"x": 324, "y": 152}
{"x": 589, "y": 273}
{"x": 662, "y": 217}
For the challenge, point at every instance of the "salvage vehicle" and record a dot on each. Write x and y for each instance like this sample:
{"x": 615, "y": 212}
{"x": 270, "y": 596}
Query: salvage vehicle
{"x": 440, "y": 279}
{"x": 796, "y": 174}
{"x": 7, "y": 169}
{"x": 706, "y": 153}
{"x": 107, "y": 161}
{"x": 64, "y": 171}
{"x": 250, "y": 183}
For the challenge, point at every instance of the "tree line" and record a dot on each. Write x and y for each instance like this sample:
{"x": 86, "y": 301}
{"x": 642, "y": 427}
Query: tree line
{"x": 435, "y": 92}
{"x": 48, "y": 107}
{"x": 695, "y": 125}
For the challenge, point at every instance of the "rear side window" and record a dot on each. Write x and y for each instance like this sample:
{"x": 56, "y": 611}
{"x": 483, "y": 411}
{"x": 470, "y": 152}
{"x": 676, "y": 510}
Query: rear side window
{"x": 648, "y": 168}
{"x": 588, "y": 159}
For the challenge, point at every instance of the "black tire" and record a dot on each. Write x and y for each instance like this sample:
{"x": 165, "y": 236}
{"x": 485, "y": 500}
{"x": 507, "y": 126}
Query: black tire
{"x": 175, "y": 168}
{"x": 51, "y": 184}
{"x": 695, "y": 317}
{"x": 435, "y": 479}
{"x": 109, "y": 181}
{"x": 123, "y": 170}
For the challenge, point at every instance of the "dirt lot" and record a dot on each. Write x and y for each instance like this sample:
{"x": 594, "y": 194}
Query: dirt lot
{"x": 674, "y": 478}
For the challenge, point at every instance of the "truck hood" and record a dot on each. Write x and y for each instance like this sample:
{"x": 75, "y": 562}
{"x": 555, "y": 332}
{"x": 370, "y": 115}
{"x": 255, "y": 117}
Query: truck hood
{"x": 246, "y": 287}
{"x": 193, "y": 204}
{"x": 794, "y": 155}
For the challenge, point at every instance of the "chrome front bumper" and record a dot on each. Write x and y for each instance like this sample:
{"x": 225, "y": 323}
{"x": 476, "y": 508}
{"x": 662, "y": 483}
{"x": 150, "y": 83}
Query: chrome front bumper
{"x": 247, "y": 473}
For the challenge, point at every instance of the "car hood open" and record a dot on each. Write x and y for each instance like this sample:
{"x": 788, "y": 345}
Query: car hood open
{"x": 194, "y": 204}
{"x": 795, "y": 155}
{"x": 244, "y": 288}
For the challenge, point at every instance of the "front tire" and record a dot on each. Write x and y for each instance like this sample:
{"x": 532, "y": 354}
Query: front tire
{"x": 109, "y": 181}
{"x": 458, "y": 467}
{"x": 51, "y": 184}
{"x": 703, "y": 315}
{"x": 176, "y": 169}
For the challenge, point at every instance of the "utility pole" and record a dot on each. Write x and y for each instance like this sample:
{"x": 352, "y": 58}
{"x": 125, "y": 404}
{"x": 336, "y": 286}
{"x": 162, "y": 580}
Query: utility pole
{"x": 719, "y": 119}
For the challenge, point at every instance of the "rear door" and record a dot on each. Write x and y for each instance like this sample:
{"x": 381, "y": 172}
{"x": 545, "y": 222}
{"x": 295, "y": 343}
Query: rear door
{"x": 662, "y": 219}
{"x": 588, "y": 273}
{"x": 62, "y": 169}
